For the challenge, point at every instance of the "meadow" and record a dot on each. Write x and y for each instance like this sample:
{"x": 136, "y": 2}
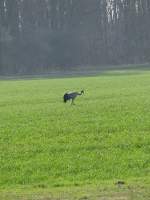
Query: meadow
{"x": 47, "y": 145}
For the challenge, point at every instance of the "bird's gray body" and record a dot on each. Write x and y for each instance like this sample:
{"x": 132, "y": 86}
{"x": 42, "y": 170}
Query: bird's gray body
{"x": 72, "y": 96}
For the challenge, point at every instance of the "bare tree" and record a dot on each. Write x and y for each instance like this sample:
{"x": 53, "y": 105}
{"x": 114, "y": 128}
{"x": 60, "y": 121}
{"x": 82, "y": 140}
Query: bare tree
{"x": 38, "y": 35}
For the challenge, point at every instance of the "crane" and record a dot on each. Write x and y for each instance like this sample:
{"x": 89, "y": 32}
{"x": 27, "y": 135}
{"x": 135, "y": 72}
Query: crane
{"x": 72, "y": 96}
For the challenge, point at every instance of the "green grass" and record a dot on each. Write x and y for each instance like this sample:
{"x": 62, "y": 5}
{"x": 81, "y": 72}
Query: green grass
{"x": 45, "y": 143}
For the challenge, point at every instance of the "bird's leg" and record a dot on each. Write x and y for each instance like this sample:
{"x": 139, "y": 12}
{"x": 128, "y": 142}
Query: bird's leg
{"x": 72, "y": 103}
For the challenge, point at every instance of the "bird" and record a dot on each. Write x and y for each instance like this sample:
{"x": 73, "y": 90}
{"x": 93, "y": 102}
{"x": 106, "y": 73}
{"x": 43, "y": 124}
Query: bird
{"x": 72, "y": 96}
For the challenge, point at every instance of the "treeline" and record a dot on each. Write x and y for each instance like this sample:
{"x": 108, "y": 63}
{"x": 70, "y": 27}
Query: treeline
{"x": 39, "y": 35}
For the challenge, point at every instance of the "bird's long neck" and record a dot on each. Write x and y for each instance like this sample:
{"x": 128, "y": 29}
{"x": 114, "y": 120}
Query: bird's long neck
{"x": 80, "y": 93}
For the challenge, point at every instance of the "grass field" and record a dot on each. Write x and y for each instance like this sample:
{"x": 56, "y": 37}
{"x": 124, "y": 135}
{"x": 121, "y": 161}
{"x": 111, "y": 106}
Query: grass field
{"x": 48, "y": 145}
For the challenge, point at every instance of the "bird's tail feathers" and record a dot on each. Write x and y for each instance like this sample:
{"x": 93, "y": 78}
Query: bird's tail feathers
{"x": 65, "y": 98}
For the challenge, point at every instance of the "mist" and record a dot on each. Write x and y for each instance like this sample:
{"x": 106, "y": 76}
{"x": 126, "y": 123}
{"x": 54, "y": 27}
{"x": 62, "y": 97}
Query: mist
{"x": 44, "y": 36}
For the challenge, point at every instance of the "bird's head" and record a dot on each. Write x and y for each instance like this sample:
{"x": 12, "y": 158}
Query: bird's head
{"x": 82, "y": 91}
